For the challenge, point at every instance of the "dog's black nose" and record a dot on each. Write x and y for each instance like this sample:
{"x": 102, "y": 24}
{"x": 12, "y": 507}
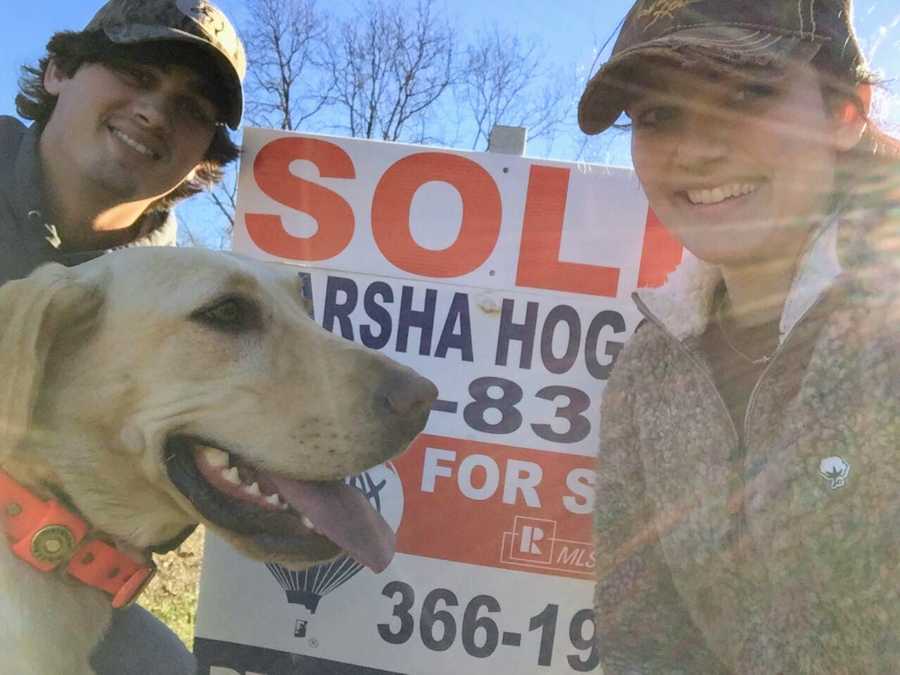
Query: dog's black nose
{"x": 406, "y": 392}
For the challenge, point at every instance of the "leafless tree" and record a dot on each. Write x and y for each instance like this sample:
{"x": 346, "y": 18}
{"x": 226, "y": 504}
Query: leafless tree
{"x": 285, "y": 85}
{"x": 223, "y": 199}
{"x": 509, "y": 80}
{"x": 284, "y": 40}
{"x": 390, "y": 65}
{"x": 387, "y": 72}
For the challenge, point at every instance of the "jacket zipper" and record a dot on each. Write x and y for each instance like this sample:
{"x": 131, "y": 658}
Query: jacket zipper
{"x": 722, "y": 405}
{"x": 778, "y": 351}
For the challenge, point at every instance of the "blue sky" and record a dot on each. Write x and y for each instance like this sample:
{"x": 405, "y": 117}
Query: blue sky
{"x": 571, "y": 30}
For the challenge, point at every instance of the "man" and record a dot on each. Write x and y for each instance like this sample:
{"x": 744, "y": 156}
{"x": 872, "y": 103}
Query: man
{"x": 129, "y": 117}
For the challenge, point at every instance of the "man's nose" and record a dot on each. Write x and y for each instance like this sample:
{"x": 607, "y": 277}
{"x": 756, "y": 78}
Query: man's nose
{"x": 154, "y": 109}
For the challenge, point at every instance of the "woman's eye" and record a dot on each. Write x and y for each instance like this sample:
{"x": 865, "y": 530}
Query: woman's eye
{"x": 652, "y": 118}
{"x": 752, "y": 93}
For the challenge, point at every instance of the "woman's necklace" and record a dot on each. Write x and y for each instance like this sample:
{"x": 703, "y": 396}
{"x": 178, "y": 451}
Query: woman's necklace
{"x": 759, "y": 361}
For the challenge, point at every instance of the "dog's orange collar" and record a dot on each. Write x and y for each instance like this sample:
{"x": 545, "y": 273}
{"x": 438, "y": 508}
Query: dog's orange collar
{"x": 50, "y": 537}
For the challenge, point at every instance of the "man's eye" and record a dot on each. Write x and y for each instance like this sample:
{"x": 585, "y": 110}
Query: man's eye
{"x": 135, "y": 75}
{"x": 194, "y": 112}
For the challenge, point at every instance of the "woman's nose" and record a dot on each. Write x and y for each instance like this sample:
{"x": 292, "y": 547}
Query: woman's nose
{"x": 703, "y": 139}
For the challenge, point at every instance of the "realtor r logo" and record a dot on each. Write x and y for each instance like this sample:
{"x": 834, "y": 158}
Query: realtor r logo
{"x": 532, "y": 540}
{"x": 529, "y": 538}
{"x": 535, "y": 544}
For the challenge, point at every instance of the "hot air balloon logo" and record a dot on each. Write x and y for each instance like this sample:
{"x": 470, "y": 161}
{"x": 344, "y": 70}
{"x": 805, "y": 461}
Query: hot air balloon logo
{"x": 382, "y": 486}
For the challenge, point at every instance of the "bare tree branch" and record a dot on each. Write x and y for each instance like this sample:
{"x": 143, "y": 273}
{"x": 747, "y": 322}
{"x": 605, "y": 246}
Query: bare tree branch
{"x": 284, "y": 40}
{"x": 391, "y": 71}
{"x": 389, "y": 67}
{"x": 224, "y": 198}
{"x": 505, "y": 80}
{"x": 285, "y": 85}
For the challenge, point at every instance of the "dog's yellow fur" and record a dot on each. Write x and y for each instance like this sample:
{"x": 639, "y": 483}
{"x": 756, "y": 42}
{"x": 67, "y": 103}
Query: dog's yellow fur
{"x": 101, "y": 364}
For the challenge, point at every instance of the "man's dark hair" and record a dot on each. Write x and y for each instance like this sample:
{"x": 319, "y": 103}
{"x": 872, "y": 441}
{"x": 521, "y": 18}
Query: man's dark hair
{"x": 71, "y": 50}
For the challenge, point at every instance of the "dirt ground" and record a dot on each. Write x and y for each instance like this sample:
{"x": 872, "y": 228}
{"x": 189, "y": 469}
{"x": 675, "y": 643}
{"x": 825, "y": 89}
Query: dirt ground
{"x": 172, "y": 595}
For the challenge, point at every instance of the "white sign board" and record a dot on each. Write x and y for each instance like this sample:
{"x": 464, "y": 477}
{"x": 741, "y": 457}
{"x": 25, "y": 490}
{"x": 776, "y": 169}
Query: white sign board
{"x": 506, "y": 281}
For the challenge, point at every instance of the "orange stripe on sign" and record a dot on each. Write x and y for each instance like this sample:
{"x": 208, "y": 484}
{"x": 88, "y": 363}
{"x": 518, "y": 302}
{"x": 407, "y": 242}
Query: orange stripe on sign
{"x": 497, "y": 506}
{"x": 539, "y": 259}
{"x": 661, "y": 255}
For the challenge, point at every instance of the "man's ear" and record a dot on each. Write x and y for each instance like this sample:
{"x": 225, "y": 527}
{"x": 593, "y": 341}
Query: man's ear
{"x": 35, "y": 312}
{"x": 851, "y": 119}
{"x": 54, "y": 78}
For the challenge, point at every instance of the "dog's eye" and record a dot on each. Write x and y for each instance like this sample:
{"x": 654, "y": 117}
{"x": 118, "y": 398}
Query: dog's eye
{"x": 232, "y": 314}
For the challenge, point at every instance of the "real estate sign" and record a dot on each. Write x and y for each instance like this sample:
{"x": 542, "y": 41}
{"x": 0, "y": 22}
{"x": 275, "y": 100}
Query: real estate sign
{"x": 506, "y": 280}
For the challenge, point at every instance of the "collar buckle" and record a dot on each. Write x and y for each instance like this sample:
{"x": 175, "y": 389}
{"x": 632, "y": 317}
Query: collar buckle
{"x": 51, "y": 538}
{"x": 53, "y": 544}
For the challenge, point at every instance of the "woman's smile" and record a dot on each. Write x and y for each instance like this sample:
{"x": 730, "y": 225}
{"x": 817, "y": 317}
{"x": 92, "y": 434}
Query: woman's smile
{"x": 717, "y": 195}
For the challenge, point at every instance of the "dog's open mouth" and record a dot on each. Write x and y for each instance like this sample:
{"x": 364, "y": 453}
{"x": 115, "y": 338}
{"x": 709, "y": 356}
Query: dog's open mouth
{"x": 286, "y": 517}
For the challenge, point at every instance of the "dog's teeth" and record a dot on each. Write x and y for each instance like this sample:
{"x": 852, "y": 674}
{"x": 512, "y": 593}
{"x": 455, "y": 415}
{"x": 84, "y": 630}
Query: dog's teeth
{"x": 307, "y": 523}
{"x": 273, "y": 500}
{"x": 215, "y": 457}
{"x": 252, "y": 490}
{"x": 232, "y": 476}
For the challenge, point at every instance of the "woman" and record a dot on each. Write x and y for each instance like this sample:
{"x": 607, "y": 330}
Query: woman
{"x": 747, "y": 498}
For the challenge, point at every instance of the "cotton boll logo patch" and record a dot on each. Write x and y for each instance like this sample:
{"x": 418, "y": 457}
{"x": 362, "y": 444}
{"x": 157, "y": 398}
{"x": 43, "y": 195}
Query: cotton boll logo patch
{"x": 835, "y": 470}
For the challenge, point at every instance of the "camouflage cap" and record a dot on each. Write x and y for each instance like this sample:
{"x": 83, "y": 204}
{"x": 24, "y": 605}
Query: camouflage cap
{"x": 195, "y": 21}
{"x": 754, "y": 32}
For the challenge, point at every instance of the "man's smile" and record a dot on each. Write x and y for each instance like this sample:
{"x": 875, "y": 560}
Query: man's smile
{"x": 134, "y": 144}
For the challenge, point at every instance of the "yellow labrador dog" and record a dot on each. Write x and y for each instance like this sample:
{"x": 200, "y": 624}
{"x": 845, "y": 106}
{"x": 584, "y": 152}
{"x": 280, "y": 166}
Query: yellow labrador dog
{"x": 153, "y": 389}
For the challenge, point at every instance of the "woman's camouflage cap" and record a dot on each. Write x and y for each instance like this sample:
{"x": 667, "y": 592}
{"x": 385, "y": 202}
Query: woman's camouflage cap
{"x": 756, "y": 32}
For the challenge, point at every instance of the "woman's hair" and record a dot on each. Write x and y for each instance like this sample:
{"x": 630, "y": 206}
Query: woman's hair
{"x": 71, "y": 50}
{"x": 868, "y": 180}
{"x": 840, "y": 82}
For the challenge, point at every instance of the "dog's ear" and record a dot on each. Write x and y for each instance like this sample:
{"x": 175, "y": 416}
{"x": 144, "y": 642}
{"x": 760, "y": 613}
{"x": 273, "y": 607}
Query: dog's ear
{"x": 33, "y": 312}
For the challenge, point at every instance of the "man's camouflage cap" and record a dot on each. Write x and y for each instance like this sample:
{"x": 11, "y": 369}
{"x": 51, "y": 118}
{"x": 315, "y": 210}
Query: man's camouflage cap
{"x": 755, "y": 32}
{"x": 194, "y": 21}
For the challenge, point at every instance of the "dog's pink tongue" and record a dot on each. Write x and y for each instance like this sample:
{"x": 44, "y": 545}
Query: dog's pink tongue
{"x": 344, "y": 515}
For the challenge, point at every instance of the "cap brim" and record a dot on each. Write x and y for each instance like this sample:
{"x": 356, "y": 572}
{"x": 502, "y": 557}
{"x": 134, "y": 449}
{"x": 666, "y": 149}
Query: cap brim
{"x": 605, "y": 97}
{"x": 230, "y": 78}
